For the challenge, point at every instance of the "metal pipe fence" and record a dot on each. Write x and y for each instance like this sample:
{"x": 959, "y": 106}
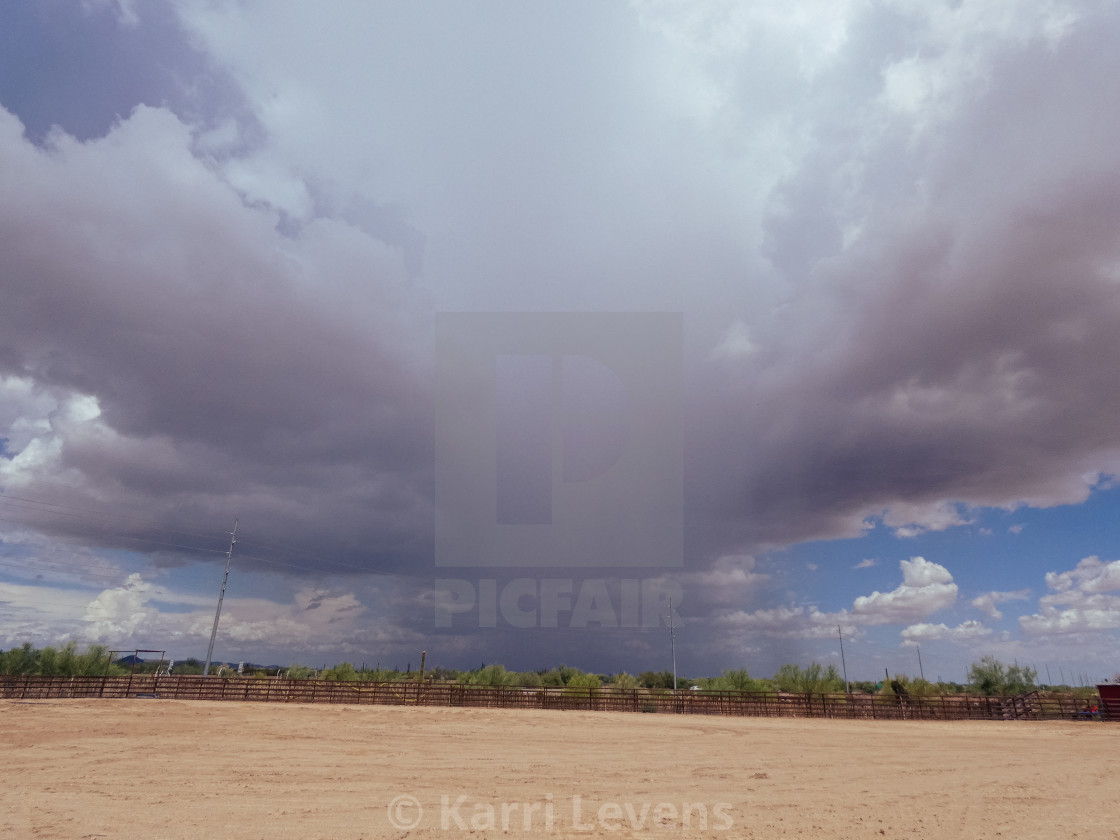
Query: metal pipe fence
{"x": 1032, "y": 706}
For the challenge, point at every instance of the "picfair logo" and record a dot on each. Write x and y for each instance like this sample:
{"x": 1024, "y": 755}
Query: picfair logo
{"x": 559, "y": 440}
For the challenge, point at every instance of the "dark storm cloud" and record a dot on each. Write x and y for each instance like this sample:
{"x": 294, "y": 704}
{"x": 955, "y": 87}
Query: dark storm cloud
{"x": 964, "y": 345}
{"x": 947, "y": 257}
{"x": 235, "y": 370}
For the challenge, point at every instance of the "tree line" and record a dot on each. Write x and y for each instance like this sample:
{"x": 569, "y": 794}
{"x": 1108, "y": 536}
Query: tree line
{"x": 66, "y": 661}
{"x": 988, "y": 676}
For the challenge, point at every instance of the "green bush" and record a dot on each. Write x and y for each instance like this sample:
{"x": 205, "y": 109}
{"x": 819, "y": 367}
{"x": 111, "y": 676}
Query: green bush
{"x": 342, "y": 672}
{"x": 585, "y": 681}
{"x": 66, "y": 661}
{"x": 441, "y": 674}
{"x": 991, "y": 677}
{"x": 901, "y": 684}
{"x": 624, "y": 680}
{"x": 656, "y": 679}
{"x": 489, "y": 675}
{"x": 738, "y": 679}
{"x": 814, "y": 678}
{"x": 380, "y": 675}
{"x": 559, "y": 676}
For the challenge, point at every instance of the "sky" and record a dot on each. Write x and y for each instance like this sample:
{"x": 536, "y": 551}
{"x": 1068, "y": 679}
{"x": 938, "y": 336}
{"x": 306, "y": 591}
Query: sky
{"x": 500, "y": 327}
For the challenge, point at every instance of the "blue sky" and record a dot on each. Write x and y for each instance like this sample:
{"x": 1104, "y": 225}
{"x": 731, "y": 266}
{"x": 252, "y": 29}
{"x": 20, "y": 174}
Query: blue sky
{"x": 882, "y": 235}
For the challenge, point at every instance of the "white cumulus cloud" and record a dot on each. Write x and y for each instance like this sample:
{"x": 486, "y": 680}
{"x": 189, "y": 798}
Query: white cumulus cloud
{"x": 1079, "y": 601}
{"x": 964, "y": 632}
{"x": 926, "y": 588}
{"x": 987, "y": 602}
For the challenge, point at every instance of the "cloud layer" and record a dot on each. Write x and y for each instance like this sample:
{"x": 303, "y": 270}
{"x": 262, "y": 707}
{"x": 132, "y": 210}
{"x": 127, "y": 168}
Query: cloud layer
{"x": 892, "y": 229}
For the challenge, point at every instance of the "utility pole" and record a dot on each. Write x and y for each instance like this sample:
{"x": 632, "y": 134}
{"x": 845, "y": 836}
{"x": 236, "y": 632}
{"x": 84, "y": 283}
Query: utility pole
{"x": 843, "y": 662}
{"x": 221, "y": 595}
{"x": 673, "y": 644}
{"x": 920, "y": 671}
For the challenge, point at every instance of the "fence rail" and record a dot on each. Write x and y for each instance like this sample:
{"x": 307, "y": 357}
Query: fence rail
{"x": 1031, "y": 706}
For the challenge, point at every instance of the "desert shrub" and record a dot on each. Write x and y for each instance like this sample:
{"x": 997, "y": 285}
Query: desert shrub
{"x": 91, "y": 662}
{"x": 66, "y": 661}
{"x": 441, "y": 674}
{"x": 991, "y": 677}
{"x": 488, "y": 675}
{"x": 559, "y": 676}
{"x": 709, "y": 684}
{"x": 19, "y": 661}
{"x": 380, "y": 674}
{"x": 299, "y": 672}
{"x": 624, "y": 680}
{"x": 901, "y": 684}
{"x": 48, "y": 664}
{"x": 919, "y": 687}
{"x": 585, "y": 681}
{"x": 656, "y": 679}
{"x": 551, "y": 678}
{"x": 812, "y": 678}
{"x": 342, "y": 672}
{"x": 738, "y": 679}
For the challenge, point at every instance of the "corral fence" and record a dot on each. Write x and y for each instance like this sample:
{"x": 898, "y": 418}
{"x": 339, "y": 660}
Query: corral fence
{"x": 1031, "y": 706}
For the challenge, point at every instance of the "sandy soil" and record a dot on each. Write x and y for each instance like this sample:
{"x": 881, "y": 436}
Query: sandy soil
{"x": 177, "y": 769}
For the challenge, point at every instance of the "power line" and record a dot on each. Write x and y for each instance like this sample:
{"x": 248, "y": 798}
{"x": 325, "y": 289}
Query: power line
{"x": 120, "y": 536}
{"x": 78, "y": 568}
{"x": 96, "y": 515}
{"x": 104, "y": 573}
{"x": 80, "y": 513}
{"x": 30, "y": 606}
{"x": 306, "y": 554}
{"x": 269, "y": 561}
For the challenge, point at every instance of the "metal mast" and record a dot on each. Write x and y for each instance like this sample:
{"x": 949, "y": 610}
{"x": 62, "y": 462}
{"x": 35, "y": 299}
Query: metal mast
{"x": 221, "y": 595}
{"x": 673, "y": 644}
{"x": 843, "y": 662}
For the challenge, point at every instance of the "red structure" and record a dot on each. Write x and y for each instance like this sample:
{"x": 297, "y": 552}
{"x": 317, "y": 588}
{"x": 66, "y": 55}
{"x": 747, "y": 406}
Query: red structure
{"x": 1110, "y": 701}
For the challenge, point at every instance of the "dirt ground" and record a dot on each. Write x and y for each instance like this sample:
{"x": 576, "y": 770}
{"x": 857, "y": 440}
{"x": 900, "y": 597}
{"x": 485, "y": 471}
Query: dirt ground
{"x": 156, "y": 769}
